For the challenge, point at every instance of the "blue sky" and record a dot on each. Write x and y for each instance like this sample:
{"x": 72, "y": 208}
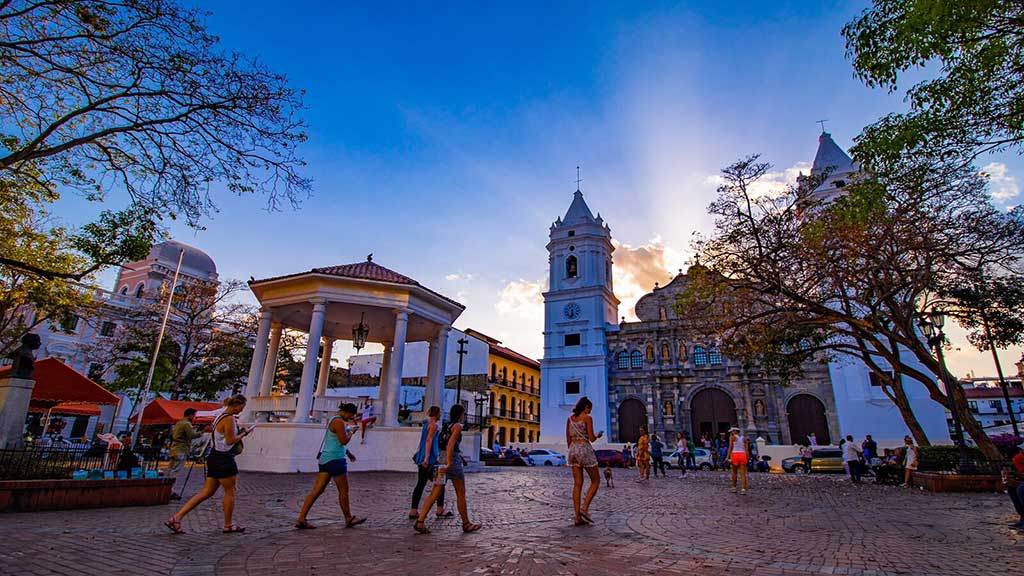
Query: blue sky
{"x": 444, "y": 137}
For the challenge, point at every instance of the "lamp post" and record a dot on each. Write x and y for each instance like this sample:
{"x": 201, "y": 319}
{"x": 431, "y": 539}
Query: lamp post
{"x": 462, "y": 352}
{"x": 931, "y": 327}
{"x": 479, "y": 398}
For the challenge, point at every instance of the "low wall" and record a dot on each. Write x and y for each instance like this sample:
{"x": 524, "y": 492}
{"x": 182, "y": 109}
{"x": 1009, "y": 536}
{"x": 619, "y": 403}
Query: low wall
{"x": 952, "y": 482}
{"x": 36, "y": 495}
{"x": 289, "y": 447}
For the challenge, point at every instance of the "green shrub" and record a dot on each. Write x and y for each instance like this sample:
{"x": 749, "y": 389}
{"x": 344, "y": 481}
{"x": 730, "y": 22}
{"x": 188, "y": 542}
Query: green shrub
{"x": 946, "y": 458}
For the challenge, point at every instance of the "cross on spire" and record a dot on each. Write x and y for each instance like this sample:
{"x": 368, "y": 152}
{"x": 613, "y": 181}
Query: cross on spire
{"x": 822, "y": 122}
{"x": 578, "y": 179}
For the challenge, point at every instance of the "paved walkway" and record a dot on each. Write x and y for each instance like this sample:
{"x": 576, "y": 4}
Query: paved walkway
{"x": 786, "y": 525}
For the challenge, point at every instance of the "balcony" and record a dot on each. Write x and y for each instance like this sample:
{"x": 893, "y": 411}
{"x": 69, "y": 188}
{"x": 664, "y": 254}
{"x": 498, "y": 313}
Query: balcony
{"x": 515, "y": 415}
{"x": 531, "y": 390}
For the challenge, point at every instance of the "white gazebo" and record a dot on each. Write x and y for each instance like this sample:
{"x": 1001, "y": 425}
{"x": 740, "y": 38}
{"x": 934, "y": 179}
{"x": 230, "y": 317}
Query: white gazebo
{"x": 348, "y": 302}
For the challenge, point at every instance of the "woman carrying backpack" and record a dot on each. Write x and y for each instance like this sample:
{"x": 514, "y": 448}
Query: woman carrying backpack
{"x": 451, "y": 437}
{"x": 221, "y": 470}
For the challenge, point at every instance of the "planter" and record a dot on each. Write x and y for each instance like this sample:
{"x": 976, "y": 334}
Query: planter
{"x": 953, "y": 482}
{"x": 36, "y": 495}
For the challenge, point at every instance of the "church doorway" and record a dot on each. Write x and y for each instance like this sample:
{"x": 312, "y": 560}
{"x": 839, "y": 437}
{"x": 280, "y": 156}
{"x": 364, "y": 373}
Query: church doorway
{"x": 806, "y": 415}
{"x": 632, "y": 415}
{"x": 712, "y": 412}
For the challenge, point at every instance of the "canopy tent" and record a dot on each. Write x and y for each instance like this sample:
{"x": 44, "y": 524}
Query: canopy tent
{"x": 58, "y": 384}
{"x": 161, "y": 411}
{"x": 70, "y": 409}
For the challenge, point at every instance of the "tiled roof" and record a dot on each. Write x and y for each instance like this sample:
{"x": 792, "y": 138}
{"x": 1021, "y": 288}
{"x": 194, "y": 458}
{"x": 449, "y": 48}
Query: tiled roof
{"x": 993, "y": 392}
{"x": 366, "y": 270}
{"x": 513, "y": 355}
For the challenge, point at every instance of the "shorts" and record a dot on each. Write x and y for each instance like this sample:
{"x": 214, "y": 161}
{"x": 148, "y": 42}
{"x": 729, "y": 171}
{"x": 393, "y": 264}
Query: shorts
{"x": 337, "y": 467}
{"x": 739, "y": 459}
{"x": 455, "y": 471}
{"x": 221, "y": 465}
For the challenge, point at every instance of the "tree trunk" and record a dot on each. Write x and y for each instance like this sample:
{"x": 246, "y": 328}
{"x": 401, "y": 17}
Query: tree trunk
{"x": 958, "y": 402}
{"x": 899, "y": 398}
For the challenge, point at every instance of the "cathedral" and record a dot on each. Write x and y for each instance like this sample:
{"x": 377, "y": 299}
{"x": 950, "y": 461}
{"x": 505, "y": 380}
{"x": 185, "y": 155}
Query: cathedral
{"x": 659, "y": 373}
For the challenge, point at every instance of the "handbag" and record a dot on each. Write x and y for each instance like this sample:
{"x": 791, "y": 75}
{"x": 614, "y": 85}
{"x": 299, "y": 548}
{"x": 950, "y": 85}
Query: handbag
{"x": 324, "y": 439}
{"x": 235, "y": 449}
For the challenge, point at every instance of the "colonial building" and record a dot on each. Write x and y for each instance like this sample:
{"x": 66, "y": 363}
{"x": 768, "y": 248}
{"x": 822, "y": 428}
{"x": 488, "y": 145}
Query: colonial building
{"x": 514, "y": 396}
{"x": 664, "y": 375}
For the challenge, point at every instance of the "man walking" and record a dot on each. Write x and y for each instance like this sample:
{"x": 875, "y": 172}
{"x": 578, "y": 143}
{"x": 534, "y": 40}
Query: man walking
{"x": 870, "y": 449}
{"x": 182, "y": 435}
{"x": 851, "y": 456}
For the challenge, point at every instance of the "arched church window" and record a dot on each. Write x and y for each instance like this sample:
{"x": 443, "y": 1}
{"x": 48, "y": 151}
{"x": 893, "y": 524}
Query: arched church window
{"x": 700, "y": 356}
{"x": 682, "y": 352}
{"x": 714, "y": 356}
{"x": 666, "y": 354}
{"x": 124, "y": 290}
{"x": 622, "y": 360}
{"x": 571, "y": 267}
{"x": 138, "y": 290}
{"x": 650, "y": 353}
{"x": 662, "y": 314}
{"x": 636, "y": 359}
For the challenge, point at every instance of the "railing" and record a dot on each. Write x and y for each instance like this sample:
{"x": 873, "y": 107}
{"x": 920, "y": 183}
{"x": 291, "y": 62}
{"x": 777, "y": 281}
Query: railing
{"x": 532, "y": 390}
{"x": 86, "y": 462}
{"x": 514, "y": 415}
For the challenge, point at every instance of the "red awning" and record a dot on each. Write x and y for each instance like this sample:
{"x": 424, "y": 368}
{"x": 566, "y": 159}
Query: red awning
{"x": 56, "y": 383}
{"x": 70, "y": 409}
{"x": 162, "y": 411}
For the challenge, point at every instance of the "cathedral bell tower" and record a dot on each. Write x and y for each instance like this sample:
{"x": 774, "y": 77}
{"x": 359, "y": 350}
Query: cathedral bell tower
{"x": 578, "y": 307}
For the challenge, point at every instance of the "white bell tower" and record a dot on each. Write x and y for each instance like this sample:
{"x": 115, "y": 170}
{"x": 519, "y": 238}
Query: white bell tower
{"x": 578, "y": 307}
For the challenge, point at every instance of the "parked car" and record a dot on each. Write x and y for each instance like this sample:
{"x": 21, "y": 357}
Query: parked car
{"x": 543, "y": 457}
{"x": 610, "y": 457}
{"x": 490, "y": 458}
{"x": 701, "y": 456}
{"x": 822, "y": 460}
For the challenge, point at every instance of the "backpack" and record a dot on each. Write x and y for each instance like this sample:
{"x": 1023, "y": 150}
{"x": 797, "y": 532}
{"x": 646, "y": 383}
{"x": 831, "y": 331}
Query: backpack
{"x": 444, "y": 437}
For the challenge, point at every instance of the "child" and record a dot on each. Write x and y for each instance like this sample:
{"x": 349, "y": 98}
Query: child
{"x": 608, "y": 476}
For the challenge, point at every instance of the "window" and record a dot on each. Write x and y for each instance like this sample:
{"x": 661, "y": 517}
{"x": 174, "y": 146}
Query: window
{"x": 138, "y": 290}
{"x": 572, "y": 387}
{"x": 572, "y": 233}
{"x": 531, "y": 380}
{"x": 504, "y": 373}
{"x": 522, "y": 379}
{"x": 839, "y": 183}
{"x": 107, "y": 329}
{"x": 494, "y": 371}
{"x": 650, "y": 354}
{"x": 95, "y": 372}
{"x": 622, "y": 360}
{"x": 877, "y": 380}
{"x": 636, "y": 359}
{"x": 700, "y": 356}
{"x": 996, "y": 405}
{"x": 973, "y": 405}
{"x": 515, "y": 377}
{"x": 124, "y": 290}
{"x": 714, "y": 356}
{"x": 69, "y": 323}
{"x": 571, "y": 269}
{"x": 572, "y": 339}
{"x": 666, "y": 354}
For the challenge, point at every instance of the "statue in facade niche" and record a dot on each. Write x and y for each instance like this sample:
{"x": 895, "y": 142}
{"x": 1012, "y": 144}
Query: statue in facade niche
{"x": 759, "y": 408}
{"x": 24, "y": 358}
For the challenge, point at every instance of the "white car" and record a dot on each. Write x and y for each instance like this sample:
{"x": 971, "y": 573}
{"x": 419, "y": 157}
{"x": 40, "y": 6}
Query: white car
{"x": 541, "y": 457}
{"x": 701, "y": 456}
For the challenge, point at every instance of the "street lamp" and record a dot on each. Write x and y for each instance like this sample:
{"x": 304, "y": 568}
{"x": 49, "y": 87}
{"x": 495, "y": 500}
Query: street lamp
{"x": 931, "y": 325}
{"x": 359, "y": 334}
{"x": 479, "y": 398}
{"x": 462, "y": 352}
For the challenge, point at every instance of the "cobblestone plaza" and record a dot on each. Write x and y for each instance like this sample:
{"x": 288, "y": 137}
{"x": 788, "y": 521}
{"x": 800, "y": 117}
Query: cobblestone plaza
{"x": 786, "y": 525}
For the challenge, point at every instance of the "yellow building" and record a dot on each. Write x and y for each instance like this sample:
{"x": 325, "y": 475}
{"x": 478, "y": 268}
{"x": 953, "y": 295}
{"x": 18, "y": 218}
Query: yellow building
{"x": 514, "y": 383}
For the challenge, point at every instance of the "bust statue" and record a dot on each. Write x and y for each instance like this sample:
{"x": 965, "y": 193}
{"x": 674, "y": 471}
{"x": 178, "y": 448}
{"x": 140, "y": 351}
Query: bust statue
{"x": 24, "y": 356}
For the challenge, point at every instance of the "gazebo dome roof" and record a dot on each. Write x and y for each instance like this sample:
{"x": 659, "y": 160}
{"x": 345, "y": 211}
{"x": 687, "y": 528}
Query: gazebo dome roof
{"x": 368, "y": 270}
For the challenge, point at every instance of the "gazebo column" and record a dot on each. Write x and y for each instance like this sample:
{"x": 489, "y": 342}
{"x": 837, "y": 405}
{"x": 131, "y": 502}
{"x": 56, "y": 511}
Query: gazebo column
{"x": 316, "y": 327}
{"x": 394, "y": 382}
{"x": 270, "y": 367}
{"x": 259, "y": 357}
{"x": 382, "y": 379}
{"x": 434, "y": 395}
{"x": 325, "y": 367}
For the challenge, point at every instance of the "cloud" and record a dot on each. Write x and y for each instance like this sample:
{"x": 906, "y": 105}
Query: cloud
{"x": 638, "y": 268}
{"x": 772, "y": 183}
{"x": 521, "y": 299}
{"x": 1003, "y": 186}
{"x": 459, "y": 277}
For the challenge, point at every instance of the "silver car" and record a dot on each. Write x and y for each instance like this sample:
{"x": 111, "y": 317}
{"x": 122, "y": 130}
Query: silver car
{"x": 701, "y": 457}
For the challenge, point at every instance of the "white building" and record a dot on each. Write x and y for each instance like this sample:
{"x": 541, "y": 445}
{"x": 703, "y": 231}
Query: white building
{"x": 988, "y": 404}
{"x": 416, "y": 362}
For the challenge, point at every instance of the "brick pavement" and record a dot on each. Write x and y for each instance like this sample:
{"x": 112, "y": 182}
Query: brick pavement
{"x": 787, "y": 525}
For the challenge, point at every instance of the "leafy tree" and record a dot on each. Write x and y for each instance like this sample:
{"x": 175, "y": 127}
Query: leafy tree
{"x": 972, "y": 52}
{"x": 791, "y": 278}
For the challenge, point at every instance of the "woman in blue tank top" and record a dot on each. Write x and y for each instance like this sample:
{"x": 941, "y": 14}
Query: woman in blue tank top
{"x": 333, "y": 464}
{"x": 426, "y": 463}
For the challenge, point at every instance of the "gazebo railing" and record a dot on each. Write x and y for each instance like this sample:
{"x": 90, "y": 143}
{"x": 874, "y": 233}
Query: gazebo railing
{"x": 80, "y": 462}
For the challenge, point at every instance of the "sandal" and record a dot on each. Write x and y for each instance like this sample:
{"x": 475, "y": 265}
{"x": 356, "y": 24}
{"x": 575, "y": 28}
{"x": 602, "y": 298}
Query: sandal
{"x": 471, "y": 527}
{"x": 580, "y": 522}
{"x": 586, "y": 518}
{"x": 420, "y": 527}
{"x": 233, "y": 529}
{"x": 354, "y": 521}
{"x": 304, "y": 525}
{"x": 447, "y": 514}
{"x": 414, "y": 516}
{"x": 174, "y": 524}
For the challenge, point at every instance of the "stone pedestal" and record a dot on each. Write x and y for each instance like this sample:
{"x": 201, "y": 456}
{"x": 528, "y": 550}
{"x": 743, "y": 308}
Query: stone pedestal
{"x": 15, "y": 394}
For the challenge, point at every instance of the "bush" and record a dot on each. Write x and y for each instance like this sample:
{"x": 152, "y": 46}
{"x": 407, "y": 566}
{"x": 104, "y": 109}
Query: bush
{"x": 944, "y": 458}
{"x": 1006, "y": 443}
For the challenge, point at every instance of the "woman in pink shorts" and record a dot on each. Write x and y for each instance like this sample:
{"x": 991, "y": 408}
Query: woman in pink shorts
{"x": 739, "y": 447}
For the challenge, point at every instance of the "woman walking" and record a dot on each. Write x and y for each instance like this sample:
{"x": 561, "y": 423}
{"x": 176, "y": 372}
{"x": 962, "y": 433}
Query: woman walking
{"x": 579, "y": 433}
{"x": 332, "y": 462}
{"x": 739, "y": 447}
{"x": 684, "y": 454}
{"x": 221, "y": 470}
{"x": 426, "y": 462}
{"x": 643, "y": 454}
{"x": 910, "y": 463}
{"x": 452, "y": 470}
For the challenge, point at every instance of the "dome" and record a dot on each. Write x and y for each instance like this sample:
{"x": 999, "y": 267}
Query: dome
{"x": 195, "y": 260}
